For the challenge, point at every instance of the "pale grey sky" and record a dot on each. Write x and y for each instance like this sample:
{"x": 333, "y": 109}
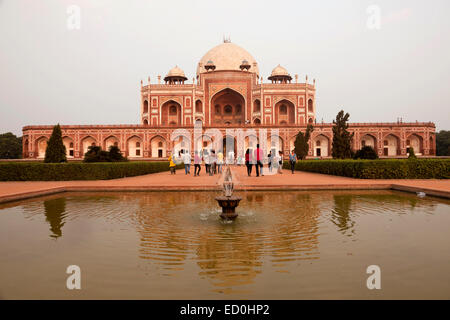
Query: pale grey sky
{"x": 50, "y": 74}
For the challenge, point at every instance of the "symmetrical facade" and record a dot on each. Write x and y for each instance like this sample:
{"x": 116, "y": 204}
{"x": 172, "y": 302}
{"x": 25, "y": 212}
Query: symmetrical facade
{"x": 228, "y": 94}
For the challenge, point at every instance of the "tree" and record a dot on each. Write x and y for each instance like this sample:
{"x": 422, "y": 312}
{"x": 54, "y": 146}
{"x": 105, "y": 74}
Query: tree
{"x": 56, "y": 151}
{"x": 341, "y": 147}
{"x": 10, "y": 146}
{"x": 443, "y": 143}
{"x": 366, "y": 152}
{"x": 301, "y": 146}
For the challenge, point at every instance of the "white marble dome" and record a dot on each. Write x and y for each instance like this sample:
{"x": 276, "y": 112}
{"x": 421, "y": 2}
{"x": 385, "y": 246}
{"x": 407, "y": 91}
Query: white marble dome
{"x": 227, "y": 56}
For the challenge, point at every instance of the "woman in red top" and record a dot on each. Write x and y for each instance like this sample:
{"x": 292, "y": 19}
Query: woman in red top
{"x": 248, "y": 162}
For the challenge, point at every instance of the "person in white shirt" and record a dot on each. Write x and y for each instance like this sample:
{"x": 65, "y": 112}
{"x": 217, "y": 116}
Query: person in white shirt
{"x": 187, "y": 162}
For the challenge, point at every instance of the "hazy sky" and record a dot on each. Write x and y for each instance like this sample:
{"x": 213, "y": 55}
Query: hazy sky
{"x": 50, "y": 74}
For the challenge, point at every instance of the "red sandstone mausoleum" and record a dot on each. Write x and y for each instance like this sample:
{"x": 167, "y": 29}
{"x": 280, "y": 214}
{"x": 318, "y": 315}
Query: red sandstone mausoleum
{"x": 228, "y": 93}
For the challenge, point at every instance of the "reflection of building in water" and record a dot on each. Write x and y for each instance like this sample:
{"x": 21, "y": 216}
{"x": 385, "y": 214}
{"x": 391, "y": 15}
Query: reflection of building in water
{"x": 281, "y": 228}
{"x": 55, "y": 214}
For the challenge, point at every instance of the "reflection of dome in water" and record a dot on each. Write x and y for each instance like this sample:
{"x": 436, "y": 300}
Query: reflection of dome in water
{"x": 227, "y": 56}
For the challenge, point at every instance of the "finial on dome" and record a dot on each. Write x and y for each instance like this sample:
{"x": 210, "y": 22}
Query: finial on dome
{"x": 226, "y": 40}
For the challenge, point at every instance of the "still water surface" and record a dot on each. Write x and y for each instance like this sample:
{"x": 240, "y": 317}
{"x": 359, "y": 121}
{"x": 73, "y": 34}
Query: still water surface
{"x": 284, "y": 245}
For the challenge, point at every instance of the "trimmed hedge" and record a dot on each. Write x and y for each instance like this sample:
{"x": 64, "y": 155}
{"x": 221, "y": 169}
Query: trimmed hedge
{"x": 379, "y": 169}
{"x": 38, "y": 171}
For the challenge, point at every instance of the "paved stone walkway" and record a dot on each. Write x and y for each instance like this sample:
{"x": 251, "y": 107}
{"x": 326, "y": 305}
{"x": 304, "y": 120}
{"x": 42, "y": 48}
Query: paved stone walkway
{"x": 10, "y": 191}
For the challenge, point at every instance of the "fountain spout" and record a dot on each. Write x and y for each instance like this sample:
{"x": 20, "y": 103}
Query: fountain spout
{"x": 228, "y": 202}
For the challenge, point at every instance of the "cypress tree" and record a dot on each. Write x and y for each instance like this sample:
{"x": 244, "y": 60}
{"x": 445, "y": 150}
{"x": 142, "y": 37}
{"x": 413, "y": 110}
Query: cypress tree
{"x": 301, "y": 145}
{"x": 341, "y": 147}
{"x": 56, "y": 151}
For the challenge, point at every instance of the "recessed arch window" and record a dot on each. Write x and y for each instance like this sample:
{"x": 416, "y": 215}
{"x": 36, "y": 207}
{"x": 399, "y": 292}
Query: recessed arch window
{"x": 310, "y": 105}
{"x": 145, "y": 106}
{"x": 217, "y": 107}
{"x": 228, "y": 109}
{"x": 318, "y": 143}
{"x": 173, "y": 110}
{"x": 238, "y": 109}
{"x": 283, "y": 109}
{"x": 138, "y": 144}
{"x": 257, "y": 106}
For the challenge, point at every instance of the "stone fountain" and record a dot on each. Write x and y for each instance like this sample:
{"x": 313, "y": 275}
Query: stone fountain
{"x": 228, "y": 202}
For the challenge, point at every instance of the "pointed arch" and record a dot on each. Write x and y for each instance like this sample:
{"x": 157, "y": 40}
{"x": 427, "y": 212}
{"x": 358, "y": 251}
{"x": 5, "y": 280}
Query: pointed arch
{"x": 158, "y": 146}
{"x": 415, "y": 141}
{"x": 391, "y": 145}
{"x": 321, "y": 145}
{"x": 227, "y": 105}
{"x": 110, "y": 141}
{"x": 135, "y": 146}
{"x": 171, "y": 113}
{"x": 41, "y": 146}
{"x": 86, "y": 142}
{"x": 370, "y": 140}
{"x": 69, "y": 144}
{"x": 284, "y": 112}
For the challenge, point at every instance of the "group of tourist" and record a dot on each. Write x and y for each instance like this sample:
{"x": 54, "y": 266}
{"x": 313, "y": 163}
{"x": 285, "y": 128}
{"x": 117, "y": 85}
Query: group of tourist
{"x": 214, "y": 163}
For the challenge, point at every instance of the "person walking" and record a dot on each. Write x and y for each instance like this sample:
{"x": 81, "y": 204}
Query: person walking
{"x": 206, "y": 159}
{"x": 258, "y": 161}
{"x": 212, "y": 163}
{"x": 219, "y": 161}
{"x": 280, "y": 162}
{"x": 187, "y": 162}
{"x": 269, "y": 159}
{"x": 197, "y": 164}
{"x": 292, "y": 160}
{"x": 172, "y": 165}
{"x": 248, "y": 160}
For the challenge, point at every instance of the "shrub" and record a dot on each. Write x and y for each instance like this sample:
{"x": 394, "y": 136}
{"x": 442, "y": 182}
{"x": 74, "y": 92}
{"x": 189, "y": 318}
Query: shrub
{"x": 38, "y": 171}
{"x": 96, "y": 154}
{"x": 366, "y": 152}
{"x": 411, "y": 154}
{"x": 115, "y": 154}
{"x": 379, "y": 169}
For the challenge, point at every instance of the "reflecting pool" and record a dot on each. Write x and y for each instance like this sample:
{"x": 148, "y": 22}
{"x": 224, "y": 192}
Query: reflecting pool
{"x": 173, "y": 245}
